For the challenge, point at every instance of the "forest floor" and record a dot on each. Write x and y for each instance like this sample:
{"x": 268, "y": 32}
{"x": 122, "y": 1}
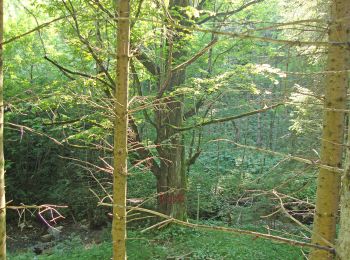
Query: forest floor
{"x": 24, "y": 238}
{"x": 77, "y": 242}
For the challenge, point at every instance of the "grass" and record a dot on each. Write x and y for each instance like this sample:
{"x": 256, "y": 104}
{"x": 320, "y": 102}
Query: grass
{"x": 174, "y": 243}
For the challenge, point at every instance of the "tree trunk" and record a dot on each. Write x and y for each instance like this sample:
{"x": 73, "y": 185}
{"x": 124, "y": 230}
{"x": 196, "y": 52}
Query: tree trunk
{"x": 328, "y": 182}
{"x": 272, "y": 126}
{"x": 343, "y": 245}
{"x": 258, "y": 132}
{"x": 2, "y": 161}
{"x": 120, "y": 132}
{"x": 171, "y": 180}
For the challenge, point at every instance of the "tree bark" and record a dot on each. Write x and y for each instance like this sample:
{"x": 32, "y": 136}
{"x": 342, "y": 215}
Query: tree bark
{"x": 120, "y": 151}
{"x": 343, "y": 245}
{"x": 171, "y": 180}
{"x": 328, "y": 182}
{"x": 343, "y": 242}
{"x": 2, "y": 161}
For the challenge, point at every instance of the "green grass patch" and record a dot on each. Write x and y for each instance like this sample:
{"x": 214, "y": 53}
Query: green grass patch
{"x": 174, "y": 243}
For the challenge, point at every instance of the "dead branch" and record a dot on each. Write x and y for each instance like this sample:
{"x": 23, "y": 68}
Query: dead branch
{"x": 22, "y": 128}
{"x": 229, "y": 230}
{"x": 33, "y": 30}
{"x": 244, "y": 6}
{"x": 225, "y": 119}
{"x": 287, "y": 156}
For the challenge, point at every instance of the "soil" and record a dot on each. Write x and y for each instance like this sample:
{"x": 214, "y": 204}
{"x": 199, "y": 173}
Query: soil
{"x": 27, "y": 236}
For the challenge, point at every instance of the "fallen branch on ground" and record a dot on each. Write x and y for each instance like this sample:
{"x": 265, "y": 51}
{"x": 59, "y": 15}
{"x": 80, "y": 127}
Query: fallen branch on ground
{"x": 226, "y": 229}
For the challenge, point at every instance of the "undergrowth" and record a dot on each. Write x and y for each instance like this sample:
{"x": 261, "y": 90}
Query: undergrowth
{"x": 173, "y": 243}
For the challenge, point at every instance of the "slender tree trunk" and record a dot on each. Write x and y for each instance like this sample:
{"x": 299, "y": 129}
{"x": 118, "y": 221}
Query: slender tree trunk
{"x": 258, "y": 132}
{"x": 120, "y": 132}
{"x": 328, "y": 182}
{"x": 272, "y": 126}
{"x": 2, "y": 161}
{"x": 343, "y": 245}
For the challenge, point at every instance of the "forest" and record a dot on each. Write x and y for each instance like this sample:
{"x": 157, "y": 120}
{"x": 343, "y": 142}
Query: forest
{"x": 174, "y": 129}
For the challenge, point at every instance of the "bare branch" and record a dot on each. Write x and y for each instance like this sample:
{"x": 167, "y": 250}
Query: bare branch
{"x": 138, "y": 11}
{"x": 65, "y": 70}
{"x": 141, "y": 150}
{"x": 230, "y": 12}
{"x": 225, "y": 119}
{"x": 196, "y": 56}
{"x": 76, "y": 27}
{"x": 229, "y": 230}
{"x": 105, "y": 10}
{"x": 287, "y": 156}
{"x": 22, "y": 128}
{"x": 34, "y": 30}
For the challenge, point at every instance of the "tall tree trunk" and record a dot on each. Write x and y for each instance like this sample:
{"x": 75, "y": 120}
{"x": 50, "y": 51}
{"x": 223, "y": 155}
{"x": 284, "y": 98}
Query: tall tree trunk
{"x": 120, "y": 132}
{"x": 343, "y": 245}
{"x": 343, "y": 242}
{"x": 2, "y": 161}
{"x": 328, "y": 182}
{"x": 171, "y": 181}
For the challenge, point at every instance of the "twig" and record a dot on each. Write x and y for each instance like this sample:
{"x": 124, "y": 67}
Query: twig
{"x": 33, "y": 30}
{"x": 21, "y": 127}
{"x": 230, "y": 230}
{"x": 225, "y": 119}
{"x": 288, "y": 156}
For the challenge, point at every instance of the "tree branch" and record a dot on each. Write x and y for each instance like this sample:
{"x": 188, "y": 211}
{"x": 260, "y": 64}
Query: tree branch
{"x": 138, "y": 85}
{"x": 65, "y": 70}
{"x": 138, "y": 11}
{"x": 257, "y": 38}
{"x": 141, "y": 150}
{"x": 225, "y": 119}
{"x": 196, "y": 56}
{"x": 87, "y": 43}
{"x": 229, "y": 230}
{"x": 244, "y": 6}
{"x": 147, "y": 63}
{"x": 105, "y": 10}
{"x": 33, "y": 30}
{"x": 194, "y": 110}
{"x": 288, "y": 156}
{"x": 193, "y": 158}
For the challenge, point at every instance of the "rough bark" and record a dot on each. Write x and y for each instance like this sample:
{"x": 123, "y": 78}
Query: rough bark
{"x": 169, "y": 114}
{"x": 120, "y": 132}
{"x": 171, "y": 181}
{"x": 2, "y": 161}
{"x": 343, "y": 245}
{"x": 328, "y": 182}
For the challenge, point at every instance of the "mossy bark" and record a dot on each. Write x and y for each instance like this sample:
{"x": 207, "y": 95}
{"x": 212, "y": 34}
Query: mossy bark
{"x": 328, "y": 182}
{"x": 171, "y": 178}
{"x": 120, "y": 132}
